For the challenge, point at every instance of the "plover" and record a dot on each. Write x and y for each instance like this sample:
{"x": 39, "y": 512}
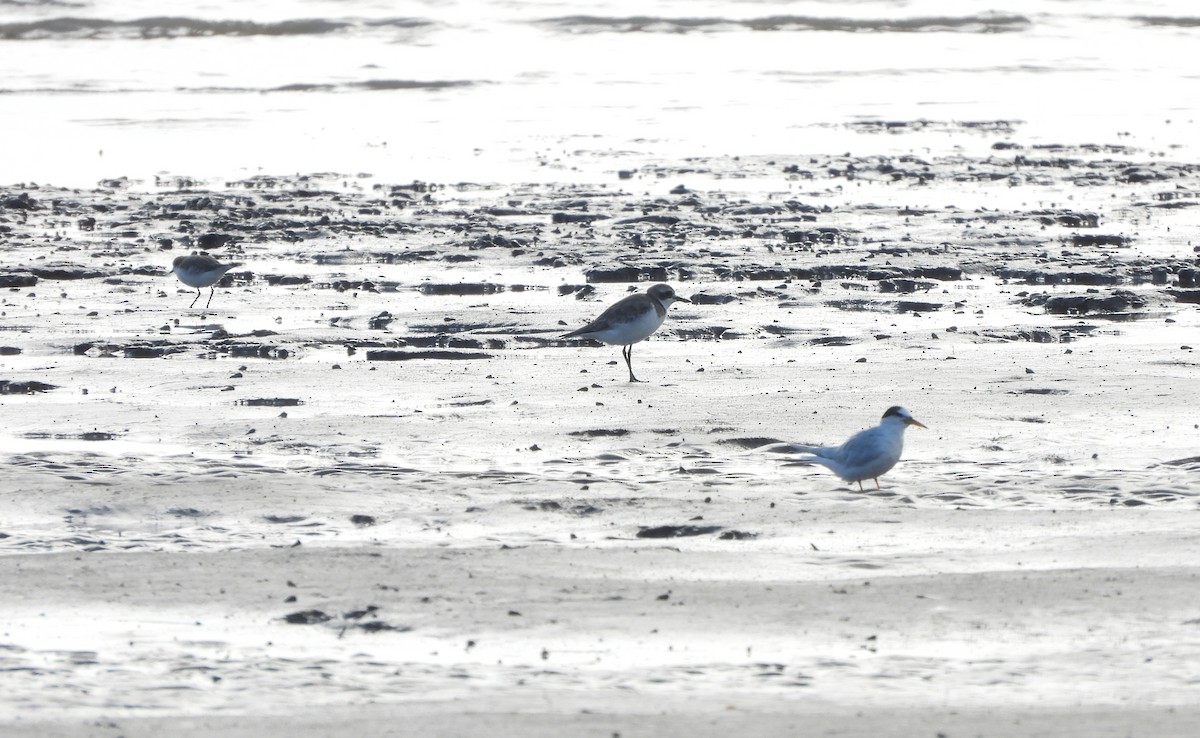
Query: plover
{"x": 868, "y": 454}
{"x": 201, "y": 270}
{"x": 631, "y": 320}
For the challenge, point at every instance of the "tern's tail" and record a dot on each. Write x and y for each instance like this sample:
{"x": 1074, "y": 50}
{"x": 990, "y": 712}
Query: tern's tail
{"x": 827, "y": 463}
{"x": 802, "y": 449}
{"x": 785, "y": 448}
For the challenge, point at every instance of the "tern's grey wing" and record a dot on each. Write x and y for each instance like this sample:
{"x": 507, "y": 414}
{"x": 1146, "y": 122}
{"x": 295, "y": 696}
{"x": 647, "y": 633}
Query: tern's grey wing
{"x": 864, "y": 448}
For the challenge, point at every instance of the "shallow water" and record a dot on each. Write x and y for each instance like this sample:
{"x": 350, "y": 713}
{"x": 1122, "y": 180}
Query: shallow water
{"x": 543, "y": 91}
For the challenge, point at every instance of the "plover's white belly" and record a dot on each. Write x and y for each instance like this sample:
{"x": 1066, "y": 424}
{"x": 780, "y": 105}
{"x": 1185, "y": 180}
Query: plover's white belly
{"x": 199, "y": 278}
{"x": 631, "y": 330}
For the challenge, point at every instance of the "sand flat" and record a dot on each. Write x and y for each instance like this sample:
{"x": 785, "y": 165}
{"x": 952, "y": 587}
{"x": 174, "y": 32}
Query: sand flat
{"x": 584, "y": 634}
{"x": 372, "y": 489}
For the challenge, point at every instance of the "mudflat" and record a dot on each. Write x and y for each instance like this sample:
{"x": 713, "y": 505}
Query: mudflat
{"x": 372, "y": 488}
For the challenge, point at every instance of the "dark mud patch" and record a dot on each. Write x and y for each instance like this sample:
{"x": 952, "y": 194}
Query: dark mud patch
{"x": 380, "y": 322}
{"x": 780, "y": 330}
{"x": 270, "y": 402}
{"x": 186, "y": 512}
{"x": 861, "y": 305}
{"x": 1185, "y": 296}
{"x": 358, "y": 285}
{"x": 84, "y": 436}
{"x": 600, "y": 433}
{"x": 364, "y": 619}
{"x": 988, "y": 127}
{"x": 1043, "y": 277}
{"x": 444, "y": 341}
{"x": 251, "y": 350}
{"x": 284, "y": 519}
{"x": 904, "y": 285}
{"x": 1038, "y": 335}
{"x": 720, "y": 298}
{"x": 18, "y": 279}
{"x": 581, "y": 509}
{"x": 97, "y": 436}
{"x": 914, "y": 306}
{"x": 737, "y": 535}
{"x": 581, "y": 291}
{"x": 96, "y": 349}
{"x": 1097, "y": 239}
{"x": 627, "y": 274}
{"x": 827, "y": 235}
{"x": 758, "y": 273}
{"x": 1189, "y": 461}
{"x": 469, "y": 403}
{"x": 1117, "y": 302}
{"x": 155, "y": 350}
{"x": 379, "y": 626}
{"x": 67, "y": 273}
{"x": 563, "y": 218}
{"x": 9, "y": 387}
{"x": 677, "y": 531}
{"x": 397, "y": 355}
{"x": 462, "y": 289}
{"x": 307, "y": 617}
{"x": 750, "y": 442}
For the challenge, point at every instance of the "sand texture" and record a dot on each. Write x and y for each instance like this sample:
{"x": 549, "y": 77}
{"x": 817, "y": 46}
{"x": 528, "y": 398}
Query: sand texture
{"x": 372, "y": 491}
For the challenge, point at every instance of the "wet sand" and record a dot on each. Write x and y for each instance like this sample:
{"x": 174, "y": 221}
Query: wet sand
{"x": 371, "y": 489}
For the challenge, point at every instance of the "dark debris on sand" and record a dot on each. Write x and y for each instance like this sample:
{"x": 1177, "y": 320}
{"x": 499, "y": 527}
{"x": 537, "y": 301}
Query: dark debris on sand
{"x": 780, "y": 246}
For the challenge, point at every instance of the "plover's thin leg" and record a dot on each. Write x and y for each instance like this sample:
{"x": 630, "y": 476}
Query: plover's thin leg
{"x": 627, "y": 352}
{"x": 197, "y": 297}
{"x": 211, "y": 291}
{"x": 877, "y": 483}
{"x": 860, "y": 489}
